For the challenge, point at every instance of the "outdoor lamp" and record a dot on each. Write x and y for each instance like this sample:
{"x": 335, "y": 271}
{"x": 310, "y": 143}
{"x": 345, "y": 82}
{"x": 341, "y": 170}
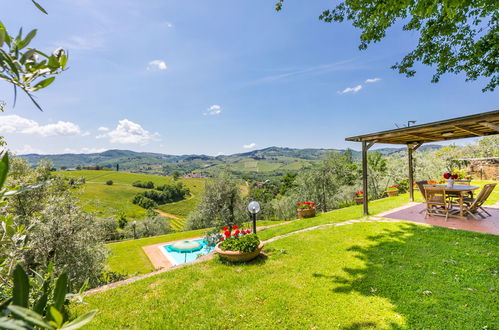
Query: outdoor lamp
{"x": 253, "y": 209}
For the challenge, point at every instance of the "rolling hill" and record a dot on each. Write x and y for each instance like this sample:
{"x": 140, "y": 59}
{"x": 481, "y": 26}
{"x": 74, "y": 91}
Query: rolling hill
{"x": 272, "y": 161}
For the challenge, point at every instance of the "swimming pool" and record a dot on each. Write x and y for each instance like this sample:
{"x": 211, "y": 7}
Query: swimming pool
{"x": 177, "y": 258}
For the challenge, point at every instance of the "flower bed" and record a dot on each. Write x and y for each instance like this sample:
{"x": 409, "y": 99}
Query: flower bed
{"x": 240, "y": 245}
{"x": 306, "y": 210}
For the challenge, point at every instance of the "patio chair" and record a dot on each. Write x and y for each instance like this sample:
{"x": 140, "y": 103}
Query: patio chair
{"x": 437, "y": 202}
{"x": 474, "y": 205}
{"x": 421, "y": 185}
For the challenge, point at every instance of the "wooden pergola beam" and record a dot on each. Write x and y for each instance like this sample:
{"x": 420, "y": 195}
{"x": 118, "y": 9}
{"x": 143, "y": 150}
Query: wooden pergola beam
{"x": 467, "y": 130}
{"x": 490, "y": 125}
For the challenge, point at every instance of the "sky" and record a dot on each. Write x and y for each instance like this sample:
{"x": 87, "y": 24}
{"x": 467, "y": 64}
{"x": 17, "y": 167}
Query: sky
{"x": 217, "y": 77}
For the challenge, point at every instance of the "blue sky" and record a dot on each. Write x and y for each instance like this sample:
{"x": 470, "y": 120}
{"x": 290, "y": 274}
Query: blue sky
{"x": 212, "y": 77}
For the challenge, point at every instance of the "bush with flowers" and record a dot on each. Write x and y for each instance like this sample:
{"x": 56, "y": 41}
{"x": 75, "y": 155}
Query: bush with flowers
{"x": 241, "y": 240}
{"x": 393, "y": 188}
{"x": 359, "y": 193}
{"x": 306, "y": 206}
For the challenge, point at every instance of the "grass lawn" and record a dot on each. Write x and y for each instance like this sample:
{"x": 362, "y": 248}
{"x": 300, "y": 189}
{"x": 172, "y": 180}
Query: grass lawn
{"x": 363, "y": 275}
{"x": 111, "y": 200}
{"x": 127, "y": 257}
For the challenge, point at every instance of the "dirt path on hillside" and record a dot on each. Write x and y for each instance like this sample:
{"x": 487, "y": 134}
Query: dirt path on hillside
{"x": 166, "y": 215}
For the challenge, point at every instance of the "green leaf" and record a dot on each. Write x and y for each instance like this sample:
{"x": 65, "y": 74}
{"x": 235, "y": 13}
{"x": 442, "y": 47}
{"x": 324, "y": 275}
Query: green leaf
{"x": 4, "y": 169}
{"x": 27, "y": 40}
{"x": 39, "y": 7}
{"x": 61, "y": 288}
{"x": 29, "y": 316}
{"x": 20, "y": 292}
{"x": 2, "y": 36}
{"x": 80, "y": 321}
{"x": 4, "y": 304}
{"x": 44, "y": 83}
{"x": 12, "y": 324}
{"x": 40, "y": 304}
{"x": 56, "y": 316}
{"x": 63, "y": 61}
{"x": 29, "y": 54}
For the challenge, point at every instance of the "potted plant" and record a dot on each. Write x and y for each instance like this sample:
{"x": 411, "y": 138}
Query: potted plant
{"x": 392, "y": 190}
{"x": 450, "y": 179}
{"x": 306, "y": 210}
{"x": 359, "y": 197}
{"x": 240, "y": 245}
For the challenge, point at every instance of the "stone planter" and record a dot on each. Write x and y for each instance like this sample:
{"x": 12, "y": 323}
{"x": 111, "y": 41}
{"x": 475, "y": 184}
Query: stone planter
{"x": 237, "y": 256}
{"x": 306, "y": 213}
{"x": 359, "y": 200}
{"x": 392, "y": 193}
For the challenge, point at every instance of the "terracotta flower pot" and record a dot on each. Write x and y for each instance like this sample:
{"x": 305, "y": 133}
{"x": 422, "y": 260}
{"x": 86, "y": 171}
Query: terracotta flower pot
{"x": 237, "y": 256}
{"x": 359, "y": 200}
{"x": 306, "y": 213}
{"x": 392, "y": 193}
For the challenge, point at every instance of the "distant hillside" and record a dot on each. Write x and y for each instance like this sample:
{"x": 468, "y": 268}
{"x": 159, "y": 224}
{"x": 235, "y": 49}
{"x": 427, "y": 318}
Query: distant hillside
{"x": 268, "y": 161}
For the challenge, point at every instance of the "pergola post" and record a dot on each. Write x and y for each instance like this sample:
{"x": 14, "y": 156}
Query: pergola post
{"x": 364, "y": 177}
{"x": 365, "y": 148}
{"x": 411, "y": 172}
{"x": 410, "y": 150}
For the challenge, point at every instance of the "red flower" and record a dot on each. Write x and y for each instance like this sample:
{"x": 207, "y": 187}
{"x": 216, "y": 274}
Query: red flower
{"x": 235, "y": 227}
{"x": 236, "y": 232}
{"x": 447, "y": 175}
{"x": 307, "y": 203}
{"x": 299, "y": 204}
{"x": 227, "y": 233}
{"x": 248, "y": 231}
{"x": 226, "y": 228}
{"x": 222, "y": 239}
{"x": 313, "y": 204}
{"x": 454, "y": 176}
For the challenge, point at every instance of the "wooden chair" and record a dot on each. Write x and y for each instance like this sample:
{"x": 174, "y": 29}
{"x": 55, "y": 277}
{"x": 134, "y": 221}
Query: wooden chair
{"x": 421, "y": 185}
{"x": 436, "y": 201}
{"x": 474, "y": 205}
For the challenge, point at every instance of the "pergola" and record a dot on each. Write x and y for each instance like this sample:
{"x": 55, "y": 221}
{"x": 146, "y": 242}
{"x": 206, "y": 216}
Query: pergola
{"x": 413, "y": 137}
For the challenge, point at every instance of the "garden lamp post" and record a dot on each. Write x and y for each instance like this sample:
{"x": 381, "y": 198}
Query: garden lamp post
{"x": 253, "y": 209}
{"x": 134, "y": 224}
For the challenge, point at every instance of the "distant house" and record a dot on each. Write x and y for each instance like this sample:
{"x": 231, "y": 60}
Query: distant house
{"x": 193, "y": 176}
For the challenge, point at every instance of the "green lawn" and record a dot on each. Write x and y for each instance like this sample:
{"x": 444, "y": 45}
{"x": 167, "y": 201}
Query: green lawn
{"x": 363, "y": 275}
{"x": 107, "y": 200}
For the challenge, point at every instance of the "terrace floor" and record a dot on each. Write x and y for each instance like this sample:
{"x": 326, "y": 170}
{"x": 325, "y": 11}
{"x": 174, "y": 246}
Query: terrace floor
{"x": 411, "y": 212}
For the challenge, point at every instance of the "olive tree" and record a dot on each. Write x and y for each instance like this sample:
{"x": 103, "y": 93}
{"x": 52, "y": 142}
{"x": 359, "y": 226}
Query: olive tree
{"x": 221, "y": 204}
{"x": 59, "y": 231}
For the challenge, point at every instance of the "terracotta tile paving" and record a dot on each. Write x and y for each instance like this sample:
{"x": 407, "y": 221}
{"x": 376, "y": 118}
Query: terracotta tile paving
{"x": 411, "y": 212}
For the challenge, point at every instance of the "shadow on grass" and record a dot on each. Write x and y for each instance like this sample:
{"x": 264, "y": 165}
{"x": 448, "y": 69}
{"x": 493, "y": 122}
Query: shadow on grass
{"x": 434, "y": 277}
{"x": 259, "y": 260}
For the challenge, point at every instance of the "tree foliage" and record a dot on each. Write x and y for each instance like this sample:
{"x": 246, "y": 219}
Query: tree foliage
{"x": 221, "y": 204}
{"x": 454, "y": 36}
{"x": 27, "y": 68}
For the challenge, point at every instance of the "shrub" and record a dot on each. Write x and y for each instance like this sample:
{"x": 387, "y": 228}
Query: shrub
{"x": 148, "y": 227}
{"x": 144, "y": 202}
{"x": 108, "y": 229}
{"x": 145, "y": 184}
{"x": 109, "y": 182}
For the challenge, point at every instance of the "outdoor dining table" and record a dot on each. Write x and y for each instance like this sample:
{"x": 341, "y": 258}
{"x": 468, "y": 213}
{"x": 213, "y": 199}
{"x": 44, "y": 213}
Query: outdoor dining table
{"x": 460, "y": 189}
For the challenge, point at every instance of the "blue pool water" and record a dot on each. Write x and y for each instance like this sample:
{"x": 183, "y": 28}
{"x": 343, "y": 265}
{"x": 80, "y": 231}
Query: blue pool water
{"x": 177, "y": 258}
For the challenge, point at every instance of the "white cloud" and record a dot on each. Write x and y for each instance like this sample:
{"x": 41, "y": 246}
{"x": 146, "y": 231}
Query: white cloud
{"x": 103, "y": 129}
{"x": 249, "y": 146}
{"x": 213, "y": 110}
{"x": 27, "y": 149}
{"x": 18, "y": 124}
{"x": 351, "y": 89}
{"x": 128, "y": 132}
{"x": 82, "y": 43}
{"x": 156, "y": 65}
{"x": 372, "y": 80}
